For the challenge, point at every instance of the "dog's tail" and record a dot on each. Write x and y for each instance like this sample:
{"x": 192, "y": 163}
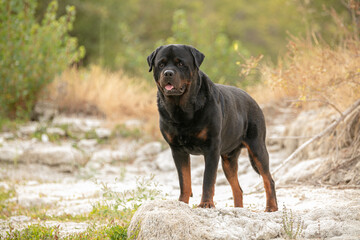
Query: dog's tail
{"x": 253, "y": 164}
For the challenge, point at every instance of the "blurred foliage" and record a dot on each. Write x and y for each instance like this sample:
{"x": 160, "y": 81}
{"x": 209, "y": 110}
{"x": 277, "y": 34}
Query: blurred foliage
{"x": 119, "y": 34}
{"x": 31, "y": 54}
{"x": 314, "y": 70}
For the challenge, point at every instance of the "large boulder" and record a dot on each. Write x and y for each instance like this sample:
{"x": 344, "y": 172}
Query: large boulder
{"x": 166, "y": 219}
{"x": 176, "y": 220}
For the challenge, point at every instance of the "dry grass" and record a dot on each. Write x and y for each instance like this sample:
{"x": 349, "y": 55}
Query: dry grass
{"x": 324, "y": 79}
{"x": 313, "y": 71}
{"x": 112, "y": 95}
{"x": 317, "y": 73}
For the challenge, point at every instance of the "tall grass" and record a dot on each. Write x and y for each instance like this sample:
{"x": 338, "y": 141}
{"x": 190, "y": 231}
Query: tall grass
{"x": 96, "y": 91}
{"x": 314, "y": 71}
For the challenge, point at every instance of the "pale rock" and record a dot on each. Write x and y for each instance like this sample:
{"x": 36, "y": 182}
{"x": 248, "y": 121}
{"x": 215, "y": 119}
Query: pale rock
{"x": 55, "y": 131}
{"x": 88, "y": 144}
{"x": 164, "y": 161}
{"x": 32, "y": 200}
{"x": 176, "y": 220}
{"x": 44, "y": 138}
{"x": 133, "y": 123}
{"x": 7, "y": 135}
{"x": 28, "y": 129}
{"x": 78, "y": 124}
{"x": 10, "y": 154}
{"x": 149, "y": 149}
{"x": 103, "y": 132}
{"x": 53, "y": 155}
{"x": 44, "y": 111}
{"x": 20, "y": 218}
{"x": 105, "y": 156}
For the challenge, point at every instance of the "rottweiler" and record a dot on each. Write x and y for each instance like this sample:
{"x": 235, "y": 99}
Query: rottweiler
{"x": 200, "y": 117}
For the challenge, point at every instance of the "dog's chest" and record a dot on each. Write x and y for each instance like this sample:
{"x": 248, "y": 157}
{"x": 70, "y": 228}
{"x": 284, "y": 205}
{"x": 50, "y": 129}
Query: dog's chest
{"x": 191, "y": 140}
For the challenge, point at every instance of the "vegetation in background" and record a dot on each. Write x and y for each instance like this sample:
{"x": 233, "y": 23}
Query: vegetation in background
{"x": 96, "y": 91}
{"x": 315, "y": 71}
{"x": 32, "y": 53}
{"x": 120, "y": 34}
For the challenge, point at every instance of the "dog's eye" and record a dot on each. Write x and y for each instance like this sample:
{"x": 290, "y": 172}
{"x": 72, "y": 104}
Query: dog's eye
{"x": 161, "y": 65}
{"x": 180, "y": 64}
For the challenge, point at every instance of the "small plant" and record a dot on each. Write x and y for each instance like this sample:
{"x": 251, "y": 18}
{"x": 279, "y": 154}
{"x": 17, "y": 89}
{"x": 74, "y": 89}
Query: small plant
{"x": 34, "y": 231}
{"x": 292, "y": 228}
{"x": 5, "y": 194}
{"x": 125, "y": 132}
{"x": 116, "y": 232}
{"x": 145, "y": 190}
{"x": 122, "y": 205}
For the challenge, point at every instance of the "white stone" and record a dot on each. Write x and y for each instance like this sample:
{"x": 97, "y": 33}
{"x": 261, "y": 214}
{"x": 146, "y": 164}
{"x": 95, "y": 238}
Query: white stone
{"x": 53, "y": 155}
{"x": 149, "y": 149}
{"x": 20, "y": 218}
{"x": 87, "y": 144}
{"x": 7, "y": 135}
{"x": 103, "y": 132}
{"x": 55, "y": 131}
{"x": 78, "y": 124}
{"x": 44, "y": 138}
{"x": 105, "y": 156}
{"x": 176, "y": 220}
{"x": 28, "y": 129}
{"x": 133, "y": 123}
{"x": 164, "y": 161}
{"x": 10, "y": 154}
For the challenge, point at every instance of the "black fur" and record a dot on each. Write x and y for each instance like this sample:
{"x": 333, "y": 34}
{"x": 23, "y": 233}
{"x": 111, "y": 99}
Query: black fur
{"x": 198, "y": 116}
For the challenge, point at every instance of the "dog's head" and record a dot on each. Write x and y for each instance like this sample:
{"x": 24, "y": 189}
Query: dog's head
{"x": 175, "y": 68}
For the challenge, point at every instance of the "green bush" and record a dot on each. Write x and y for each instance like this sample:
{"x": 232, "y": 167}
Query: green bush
{"x": 31, "y": 54}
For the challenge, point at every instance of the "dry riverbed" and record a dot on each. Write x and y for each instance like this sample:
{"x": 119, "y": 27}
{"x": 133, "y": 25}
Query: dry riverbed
{"x": 70, "y": 173}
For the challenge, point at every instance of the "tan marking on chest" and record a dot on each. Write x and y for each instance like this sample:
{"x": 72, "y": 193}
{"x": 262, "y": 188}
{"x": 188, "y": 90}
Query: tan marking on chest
{"x": 202, "y": 134}
{"x": 169, "y": 138}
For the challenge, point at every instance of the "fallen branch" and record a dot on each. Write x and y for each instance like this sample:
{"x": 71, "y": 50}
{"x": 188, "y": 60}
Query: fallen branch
{"x": 327, "y": 130}
{"x": 288, "y": 137}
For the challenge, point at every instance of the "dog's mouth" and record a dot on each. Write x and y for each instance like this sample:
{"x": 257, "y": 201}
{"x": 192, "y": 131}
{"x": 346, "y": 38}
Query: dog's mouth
{"x": 170, "y": 90}
{"x": 169, "y": 87}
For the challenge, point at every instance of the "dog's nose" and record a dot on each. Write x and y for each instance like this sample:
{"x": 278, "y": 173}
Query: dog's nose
{"x": 169, "y": 73}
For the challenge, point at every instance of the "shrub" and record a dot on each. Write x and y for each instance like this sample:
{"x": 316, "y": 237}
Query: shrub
{"x": 32, "y": 53}
{"x": 315, "y": 71}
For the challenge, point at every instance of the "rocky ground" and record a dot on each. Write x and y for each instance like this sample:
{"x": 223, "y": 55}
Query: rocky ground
{"x": 68, "y": 164}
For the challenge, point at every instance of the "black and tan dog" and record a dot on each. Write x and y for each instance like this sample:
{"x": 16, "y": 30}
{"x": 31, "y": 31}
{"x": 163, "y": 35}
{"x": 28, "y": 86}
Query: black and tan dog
{"x": 200, "y": 117}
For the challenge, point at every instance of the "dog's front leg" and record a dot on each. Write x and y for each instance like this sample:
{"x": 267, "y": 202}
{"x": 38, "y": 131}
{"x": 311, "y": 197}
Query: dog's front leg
{"x": 182, "y": 162}
{"x": 211, "y": 165}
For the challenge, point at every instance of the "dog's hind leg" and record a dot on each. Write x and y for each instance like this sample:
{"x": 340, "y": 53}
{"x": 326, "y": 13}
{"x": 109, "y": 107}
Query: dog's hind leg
{"x": 230, "y": 167}
{"x": 259, "y": 158}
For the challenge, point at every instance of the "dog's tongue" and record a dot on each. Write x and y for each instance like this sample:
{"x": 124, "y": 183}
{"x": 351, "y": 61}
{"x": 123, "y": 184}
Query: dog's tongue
{"x": 169, "y": 87}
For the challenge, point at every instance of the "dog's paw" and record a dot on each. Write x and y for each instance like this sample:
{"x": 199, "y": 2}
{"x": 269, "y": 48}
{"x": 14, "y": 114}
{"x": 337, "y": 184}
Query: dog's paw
{"x": 206, "y": 205}
{"x": 271, "y": 209}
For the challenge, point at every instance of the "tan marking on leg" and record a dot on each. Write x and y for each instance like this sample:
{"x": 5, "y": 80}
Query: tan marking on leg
{"x": 186, "y": 192}
{"x": 234, "y": 183}
{"x": 271, "y": 203}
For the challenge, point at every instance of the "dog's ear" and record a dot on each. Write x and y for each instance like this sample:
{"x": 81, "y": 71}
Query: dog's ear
{"x": 151, "y": 57}
{"x": 198, "y": 56}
